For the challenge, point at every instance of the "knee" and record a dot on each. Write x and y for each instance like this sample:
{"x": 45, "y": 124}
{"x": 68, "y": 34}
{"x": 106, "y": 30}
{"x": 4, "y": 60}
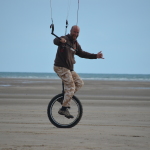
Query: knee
{"x": 81, "y": 83}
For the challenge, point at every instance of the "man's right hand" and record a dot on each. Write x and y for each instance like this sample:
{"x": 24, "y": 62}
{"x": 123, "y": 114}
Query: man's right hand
{"x": 63, "y": 40}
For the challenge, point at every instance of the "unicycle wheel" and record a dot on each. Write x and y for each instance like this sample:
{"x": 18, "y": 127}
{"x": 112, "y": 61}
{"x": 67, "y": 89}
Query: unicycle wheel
{"x": 61, "y": 121}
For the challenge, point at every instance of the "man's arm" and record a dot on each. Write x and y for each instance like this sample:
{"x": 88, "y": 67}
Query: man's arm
{"x": 59, "y": 42}
{"x": 84, "y": 54}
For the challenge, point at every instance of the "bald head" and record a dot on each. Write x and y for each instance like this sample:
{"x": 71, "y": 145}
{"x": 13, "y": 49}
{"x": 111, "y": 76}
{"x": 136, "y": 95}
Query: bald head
{"x": 74, "y": 32}
{"x": 75, "y": 27}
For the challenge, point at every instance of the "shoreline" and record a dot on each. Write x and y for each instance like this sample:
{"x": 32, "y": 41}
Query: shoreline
{"x": 98, "y": 89}
{"x": 84, "y": 79}
{"x": 84, "y": 76}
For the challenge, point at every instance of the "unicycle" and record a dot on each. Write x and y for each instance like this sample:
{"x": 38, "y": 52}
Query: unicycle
{"x": 61, "y": 121}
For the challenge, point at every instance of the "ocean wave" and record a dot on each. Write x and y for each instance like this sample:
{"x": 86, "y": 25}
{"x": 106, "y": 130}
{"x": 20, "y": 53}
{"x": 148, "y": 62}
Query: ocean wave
{"x": 84, "y": 76}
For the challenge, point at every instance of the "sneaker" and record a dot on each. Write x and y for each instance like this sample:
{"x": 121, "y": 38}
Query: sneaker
{"x": 65, "y": 113}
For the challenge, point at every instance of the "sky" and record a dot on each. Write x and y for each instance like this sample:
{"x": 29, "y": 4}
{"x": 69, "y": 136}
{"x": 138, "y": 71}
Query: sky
{"x": 118, "y": 28}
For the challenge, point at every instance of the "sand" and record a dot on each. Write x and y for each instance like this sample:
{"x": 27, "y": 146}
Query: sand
{"x": 116, "y": 116}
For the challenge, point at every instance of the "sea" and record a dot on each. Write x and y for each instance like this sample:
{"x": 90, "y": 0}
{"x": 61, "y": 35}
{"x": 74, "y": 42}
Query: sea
{"x": 84, "y": 76}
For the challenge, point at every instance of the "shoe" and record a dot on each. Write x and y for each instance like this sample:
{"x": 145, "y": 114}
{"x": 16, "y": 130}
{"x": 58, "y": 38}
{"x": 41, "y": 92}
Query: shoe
{"x": 65, "y": 113}
{"x": 60, "y": 101}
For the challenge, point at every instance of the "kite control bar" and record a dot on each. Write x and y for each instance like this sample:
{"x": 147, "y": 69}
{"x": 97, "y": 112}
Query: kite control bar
{"x": 52, "y": 26}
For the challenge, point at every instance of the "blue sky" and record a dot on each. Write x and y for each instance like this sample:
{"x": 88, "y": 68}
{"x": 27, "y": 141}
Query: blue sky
{"x": 118, "y": 28}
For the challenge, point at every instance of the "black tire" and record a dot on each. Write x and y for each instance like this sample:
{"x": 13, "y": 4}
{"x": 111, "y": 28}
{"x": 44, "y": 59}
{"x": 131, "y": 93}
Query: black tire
{"x": 59, "y": 120}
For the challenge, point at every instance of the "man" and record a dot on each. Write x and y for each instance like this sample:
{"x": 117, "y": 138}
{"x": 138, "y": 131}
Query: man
{"x": 64, "y": 63}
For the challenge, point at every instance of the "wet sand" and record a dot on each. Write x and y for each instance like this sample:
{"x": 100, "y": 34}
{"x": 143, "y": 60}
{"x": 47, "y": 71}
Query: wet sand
{"x": 116, "y": 116}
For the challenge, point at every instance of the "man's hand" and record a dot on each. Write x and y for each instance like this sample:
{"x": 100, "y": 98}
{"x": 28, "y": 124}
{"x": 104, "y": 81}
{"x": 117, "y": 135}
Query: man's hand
{"x": 63, "y": 40}
{"x": 100, "y": 55}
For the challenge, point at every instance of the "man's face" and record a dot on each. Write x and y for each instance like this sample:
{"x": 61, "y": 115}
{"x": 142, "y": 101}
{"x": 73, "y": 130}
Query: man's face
{"x": 74, "y": 32}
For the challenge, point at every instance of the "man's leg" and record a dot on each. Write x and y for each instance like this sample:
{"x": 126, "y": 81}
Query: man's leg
{"x": 77, "y": 80}
{"x": 69, "y": 85}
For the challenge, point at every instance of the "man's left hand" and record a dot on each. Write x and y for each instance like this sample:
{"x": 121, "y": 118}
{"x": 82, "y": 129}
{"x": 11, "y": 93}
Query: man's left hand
{"x": 100, "y": 55}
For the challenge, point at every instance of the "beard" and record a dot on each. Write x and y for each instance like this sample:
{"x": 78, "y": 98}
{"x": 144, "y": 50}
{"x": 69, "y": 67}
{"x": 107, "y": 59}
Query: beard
{"x": 74, "y": 37}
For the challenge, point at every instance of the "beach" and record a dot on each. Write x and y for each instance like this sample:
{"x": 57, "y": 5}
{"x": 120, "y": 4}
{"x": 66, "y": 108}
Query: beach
{"x": 116, "y": 116}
